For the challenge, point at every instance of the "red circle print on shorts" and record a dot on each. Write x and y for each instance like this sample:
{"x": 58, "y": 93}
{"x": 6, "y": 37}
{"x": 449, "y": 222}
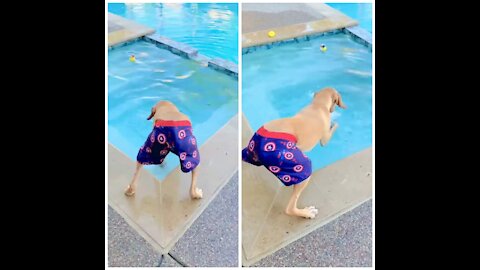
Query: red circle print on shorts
{"x": 194, "y": 154}
{"x": 152, "y": 138}
{"x": 288, "y": 155}
{"x": 286, "y": 178}
{"x": 161, "y": 138}
{"x": 183, "y": 156}
{"x": 298, "y": 168}
{"x": 274, "y": 169}
{"x": 161, "y": 160}
{"x": 193, "y": 141}
{"x": 290, "y": 145}
{"x": 188, "y": 165}
{"x": 163, "y": 152}
{"x": 251, "y": 145}
{"x": 182, "y": 134}
{"x": 269, "y": 147}
{"x": 149, "y": 150}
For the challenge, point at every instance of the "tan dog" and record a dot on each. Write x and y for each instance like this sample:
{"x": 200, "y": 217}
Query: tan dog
{"x": 165, "y": 111}
{"x": 310, "y": 126}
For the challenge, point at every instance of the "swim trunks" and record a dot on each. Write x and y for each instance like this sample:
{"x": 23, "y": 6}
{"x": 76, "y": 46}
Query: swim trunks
{"x": 277, "y": 151}
{"x": 171, "y": 136}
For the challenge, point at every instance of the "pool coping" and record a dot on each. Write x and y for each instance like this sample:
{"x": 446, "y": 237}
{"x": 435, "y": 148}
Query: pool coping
{"x": 126, "y": 30}
{"x": 332, "y": 19}
{"x": 351, "y": 28}
{"x": 357, "y": 34}
{"x": 141, "y": 212}
{"x": 184, "y": 50}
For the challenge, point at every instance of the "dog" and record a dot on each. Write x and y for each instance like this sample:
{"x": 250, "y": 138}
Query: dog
{"x": 279, "y": 145}
{"x": 172, "y": 132}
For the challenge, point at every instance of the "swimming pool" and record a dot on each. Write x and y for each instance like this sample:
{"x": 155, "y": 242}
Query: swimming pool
{"x": 362, "y": 12}
{"x": 280, "y": 81}
{"x": 210, "y": 28}
{"x": 207, "y": 96}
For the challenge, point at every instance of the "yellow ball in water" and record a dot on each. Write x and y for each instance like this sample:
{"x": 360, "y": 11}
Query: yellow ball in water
{"x": 323, "y": 48}
{"x": 132, "y": 58}
{"x": 271, "y": 34}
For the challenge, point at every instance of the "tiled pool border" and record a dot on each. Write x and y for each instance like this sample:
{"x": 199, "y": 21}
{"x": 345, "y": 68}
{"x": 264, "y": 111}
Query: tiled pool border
{"x": 357, "y": 34}
{"x": 185, "y": 51}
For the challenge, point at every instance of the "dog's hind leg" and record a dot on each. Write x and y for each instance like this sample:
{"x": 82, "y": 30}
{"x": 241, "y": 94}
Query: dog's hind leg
{"x": 195, "y": 193}
{"x": 130, "y": 191}
{"x": 293, "y": 210}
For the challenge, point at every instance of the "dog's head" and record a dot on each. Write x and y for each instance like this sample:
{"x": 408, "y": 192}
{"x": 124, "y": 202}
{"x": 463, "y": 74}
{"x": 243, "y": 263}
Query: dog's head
{"x": 330, "y": 96}
{"x": 164, "y": 106}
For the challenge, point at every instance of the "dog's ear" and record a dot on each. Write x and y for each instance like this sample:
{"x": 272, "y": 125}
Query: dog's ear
{"x": 340, "y": 102}
{"x": 151, "y": 114}
{"x": 337, "y": 100}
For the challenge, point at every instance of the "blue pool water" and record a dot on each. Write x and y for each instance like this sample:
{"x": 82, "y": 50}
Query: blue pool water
{"x": 281, "y": 81}
{"x": 210, "y": 28}
{"x": 362, "y": 12}
{"x": 208, "y": 97}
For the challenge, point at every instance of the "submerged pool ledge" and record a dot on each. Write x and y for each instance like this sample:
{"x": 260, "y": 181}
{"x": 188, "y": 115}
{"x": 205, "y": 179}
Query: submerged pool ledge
{"x": 175, "y": 47}
{"x": 189, "y": 52}
{"x": 360, "y": 35}
{"x": 162, "y": 211}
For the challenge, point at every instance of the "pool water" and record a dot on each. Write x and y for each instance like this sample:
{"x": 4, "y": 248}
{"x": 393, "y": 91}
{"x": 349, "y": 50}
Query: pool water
{"x": 362, "y": 12}
{"x": 207, "y": 96}
{"x": 279, "y": 82}
{"x": 210, "y": 28}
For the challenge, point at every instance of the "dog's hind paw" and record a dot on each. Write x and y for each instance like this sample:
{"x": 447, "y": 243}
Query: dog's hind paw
{"x": 197, "y": 193}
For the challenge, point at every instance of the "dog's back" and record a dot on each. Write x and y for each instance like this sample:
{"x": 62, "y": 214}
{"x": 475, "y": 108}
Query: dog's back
{"x": 166, "y": 110}
{"x": 311, "y": 123}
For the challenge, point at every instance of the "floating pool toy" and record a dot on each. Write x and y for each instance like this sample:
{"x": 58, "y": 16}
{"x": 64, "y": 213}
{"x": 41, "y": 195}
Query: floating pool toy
{"x": 132, "y": 58}
{"x": 323, "y": 48}
{"x": 271, "y": 34}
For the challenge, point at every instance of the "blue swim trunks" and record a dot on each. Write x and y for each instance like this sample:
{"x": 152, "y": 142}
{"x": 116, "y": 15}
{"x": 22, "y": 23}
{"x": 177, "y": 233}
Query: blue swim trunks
{"x": 277, "y": 151}
{"x": 170, "y": 136}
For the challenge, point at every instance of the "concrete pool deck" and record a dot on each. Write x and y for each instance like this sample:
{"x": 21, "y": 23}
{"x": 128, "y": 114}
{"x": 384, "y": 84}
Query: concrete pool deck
{"x": 334, "y": 190}
{"x": 121, "y": 30}
{"x": 344, "y": 242}
{"x": 204, "y": 244}
{"x": 288, "y": 21}
{"x": 161, "y": 211}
